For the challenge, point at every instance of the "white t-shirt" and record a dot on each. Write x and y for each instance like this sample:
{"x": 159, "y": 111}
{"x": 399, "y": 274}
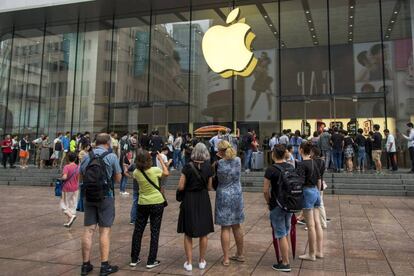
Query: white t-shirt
{"x": 170, "y": 142}
{"x": 390, "y": 139}
{"x": 164, "y": 159}
{"x": 273, "y": 142}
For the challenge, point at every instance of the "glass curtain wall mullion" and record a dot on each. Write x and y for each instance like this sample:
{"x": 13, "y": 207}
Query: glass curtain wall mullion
{"x": 279, "y": 65}
{"x": 149, "y": 55}
{"x": 41, "y": 79}
{"x": 109, "y": 126}
{"x": 8, "y": 81}
{"x": 383, "y": 62}
{"x": 75, "y": 69}
{"x": 331, "y": 101}
{"x": 190, "y": 128}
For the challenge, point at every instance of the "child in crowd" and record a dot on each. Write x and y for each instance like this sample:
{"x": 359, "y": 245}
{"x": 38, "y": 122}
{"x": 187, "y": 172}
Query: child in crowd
{"x": 70, "y": 191}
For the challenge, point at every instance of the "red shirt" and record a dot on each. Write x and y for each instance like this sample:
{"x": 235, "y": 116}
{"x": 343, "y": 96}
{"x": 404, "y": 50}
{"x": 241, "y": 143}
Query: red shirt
{"x": 8, "y": 146}
{"x": 72, "y": 172}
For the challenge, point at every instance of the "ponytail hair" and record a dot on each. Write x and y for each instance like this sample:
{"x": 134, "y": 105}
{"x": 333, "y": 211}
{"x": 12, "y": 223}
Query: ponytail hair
{"x": 225, "y": 147}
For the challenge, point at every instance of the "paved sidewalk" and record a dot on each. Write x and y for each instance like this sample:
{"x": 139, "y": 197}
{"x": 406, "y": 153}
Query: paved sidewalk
{"x": 367, "y": 236}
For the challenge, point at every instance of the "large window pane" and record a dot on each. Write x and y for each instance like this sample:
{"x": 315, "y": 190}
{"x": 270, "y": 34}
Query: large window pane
{"x": 169, "y": 69}
{"x": 305, "y": 75}
{"x": 5, "y": 55}
{"x": 24, "y": 97}
{"x": 93, "y": 77}
{"x": 211, "y": 95}
{"x": 256, "y": 97}
{"x": 130, "y": 74}
{"x": 58, "y": 74}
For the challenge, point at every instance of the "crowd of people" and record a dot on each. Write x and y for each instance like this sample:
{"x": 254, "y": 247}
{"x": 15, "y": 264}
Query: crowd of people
{"x": 293, "y": 183}
{"x": 344, "y": 151}
{"x": 95, "y": 172}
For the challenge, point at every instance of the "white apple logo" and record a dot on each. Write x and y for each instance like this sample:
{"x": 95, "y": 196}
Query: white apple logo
{"x": 227, "y": 49}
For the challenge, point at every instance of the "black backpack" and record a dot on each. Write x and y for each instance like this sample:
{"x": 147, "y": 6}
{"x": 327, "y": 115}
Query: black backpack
{"x": 291, "y": 183}
{"x": 95, "y": 181}
{"x": 244, "y": 145}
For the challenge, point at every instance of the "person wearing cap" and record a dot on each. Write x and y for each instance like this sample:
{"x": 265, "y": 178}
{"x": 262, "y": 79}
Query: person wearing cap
{"x": 324, "y": 145}
{"x": 410, "y": 139}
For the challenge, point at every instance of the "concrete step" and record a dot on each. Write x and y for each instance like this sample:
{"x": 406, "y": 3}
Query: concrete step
{"x": 342, "y": 186}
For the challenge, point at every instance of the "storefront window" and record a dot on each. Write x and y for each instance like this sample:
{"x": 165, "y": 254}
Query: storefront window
{"x": 6, "y": 118}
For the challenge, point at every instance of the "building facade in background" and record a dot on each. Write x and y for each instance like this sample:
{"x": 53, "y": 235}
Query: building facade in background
{"x": 321, "y": 63}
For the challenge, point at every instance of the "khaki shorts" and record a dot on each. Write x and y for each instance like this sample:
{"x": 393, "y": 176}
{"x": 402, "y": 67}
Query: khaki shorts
{"x": 376, "y": 155}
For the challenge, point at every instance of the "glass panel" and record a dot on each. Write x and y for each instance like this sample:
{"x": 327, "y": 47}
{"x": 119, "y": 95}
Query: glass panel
{"x": 130, "y": 74}
{"x": 25, "y": 83}
{"x": 5, "y": 55}
{"x": 256, "y": 102}
{"x": 58, "y": 74}
{"x": 211, "y": 95}
{"x": 93, "y": 77}
{"x": 306, "y": 86}
{"x": 169, "y": 69}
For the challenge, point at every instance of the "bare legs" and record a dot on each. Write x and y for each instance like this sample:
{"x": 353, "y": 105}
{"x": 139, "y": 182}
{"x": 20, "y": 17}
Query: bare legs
{"x": 225, "y": 241}
{"x": 349, "y": 164}
{"x": 104, "y": 237}
{"x": 188, "y": 247}
{"x": 284, "y": 249}
{"x": 315, "y": 234}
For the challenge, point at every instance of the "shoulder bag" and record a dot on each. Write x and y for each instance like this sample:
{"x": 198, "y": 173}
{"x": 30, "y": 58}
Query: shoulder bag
{"x": 59, "y": 183}
{"x": 155, "y": 186}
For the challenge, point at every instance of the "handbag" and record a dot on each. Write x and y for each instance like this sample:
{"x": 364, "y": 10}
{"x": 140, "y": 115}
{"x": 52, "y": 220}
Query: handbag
{"x": 59, "y": 183}
{"x": 179, "y": 195}
{"x": 155, "y": 186}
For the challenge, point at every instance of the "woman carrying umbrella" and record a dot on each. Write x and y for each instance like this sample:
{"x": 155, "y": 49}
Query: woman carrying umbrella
{"x": 279, "y": 218}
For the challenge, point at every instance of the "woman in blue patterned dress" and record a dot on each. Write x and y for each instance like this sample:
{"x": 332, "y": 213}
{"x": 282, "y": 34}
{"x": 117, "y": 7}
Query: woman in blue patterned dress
{"x": 229, "y": 212}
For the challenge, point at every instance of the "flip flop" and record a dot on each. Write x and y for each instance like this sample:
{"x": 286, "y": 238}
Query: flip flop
{"x": 306, "y": 257}
{"x": 226, "y": 264}
{"x": 239, "y": 259}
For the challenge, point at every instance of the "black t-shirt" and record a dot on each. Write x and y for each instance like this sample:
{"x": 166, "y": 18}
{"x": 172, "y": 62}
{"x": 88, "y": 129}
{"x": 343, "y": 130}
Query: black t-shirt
{"x": 337, "y": 140}
{"x": 360, "y": 140}
{"x": 58, "y": 146}
{"x": 348, "y": 142}
{"x": 156, "y": 143}
{"x": 377, "y": 141}
{"x": 320, "y": 163}
{"x": 310, "y": 170}
{"x": 144, "y": 141}
{"x": 192, "y": 182}
{"x": 273, "y": 174}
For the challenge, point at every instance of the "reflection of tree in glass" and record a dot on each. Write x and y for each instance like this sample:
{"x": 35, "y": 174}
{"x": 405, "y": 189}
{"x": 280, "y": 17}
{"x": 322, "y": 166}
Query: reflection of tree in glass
{"x": 262, "y": 82}
{"x": 177, "y": 75}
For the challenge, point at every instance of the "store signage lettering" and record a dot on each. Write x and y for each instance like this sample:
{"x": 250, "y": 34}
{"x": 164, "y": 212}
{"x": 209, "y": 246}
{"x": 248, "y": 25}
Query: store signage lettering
{"x": 227, "y": 50}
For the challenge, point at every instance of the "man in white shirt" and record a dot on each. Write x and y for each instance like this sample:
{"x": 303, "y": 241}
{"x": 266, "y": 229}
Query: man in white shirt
{"x": 274, "y": 141}
{"x": 284, "y": 139}
{"x": 214, "y": 143}
{"x": 391, "y": 150}
{"x": 410, "y": 138}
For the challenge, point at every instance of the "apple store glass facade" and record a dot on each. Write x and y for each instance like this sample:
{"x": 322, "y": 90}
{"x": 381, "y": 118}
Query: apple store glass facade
{"x": 336, "y": 62}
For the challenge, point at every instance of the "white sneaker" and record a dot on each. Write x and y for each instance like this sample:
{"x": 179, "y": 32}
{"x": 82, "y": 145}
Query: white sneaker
{"x": 126, "y": 193}
{"x": 188, "y": 267}
{"x": 202, "y": 265}
{"x": 247, "y": 171}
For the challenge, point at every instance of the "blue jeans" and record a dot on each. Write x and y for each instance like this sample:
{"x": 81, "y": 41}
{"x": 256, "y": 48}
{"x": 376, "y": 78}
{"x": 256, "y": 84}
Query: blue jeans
{"x": 281, "y": 221}
{"x": 248, "y": 159}
{"x": 337, "y": 158}
{"x": 327, "y": 154}
{"x": 134, "y": 207}
{"x": 177, "y": 159}
{"x": 311, "y": 198}
{"x": 361, "y": 157}
{"x": 124, "y": 181}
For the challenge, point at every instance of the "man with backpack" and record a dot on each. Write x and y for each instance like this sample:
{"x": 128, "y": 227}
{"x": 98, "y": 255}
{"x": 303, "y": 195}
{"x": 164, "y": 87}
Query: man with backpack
{"x": 283, "y": 193}
{"x": 99, "y": 171}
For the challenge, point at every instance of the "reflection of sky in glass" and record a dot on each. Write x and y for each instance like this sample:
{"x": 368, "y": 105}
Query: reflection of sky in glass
{"x": 204, "y": 24}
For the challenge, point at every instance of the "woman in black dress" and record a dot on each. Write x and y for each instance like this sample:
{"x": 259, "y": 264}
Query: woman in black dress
{"x": 196, "y": 217}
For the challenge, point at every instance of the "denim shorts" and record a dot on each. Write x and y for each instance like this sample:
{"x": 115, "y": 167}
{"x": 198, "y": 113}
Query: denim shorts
{"x": 281, "y": 221}
{"x": 311, "y": 198}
